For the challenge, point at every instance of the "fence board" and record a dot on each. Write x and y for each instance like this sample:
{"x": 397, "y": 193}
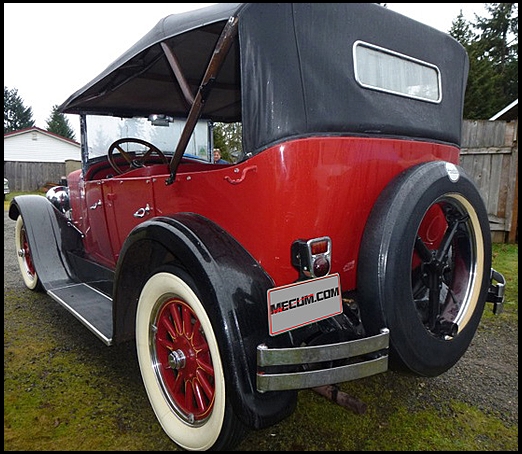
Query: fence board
{"x": 32, "y": 176}
{"x": 489, "y": 155}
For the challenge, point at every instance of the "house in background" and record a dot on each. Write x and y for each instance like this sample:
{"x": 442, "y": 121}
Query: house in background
{"x": 33, "y": 158}
{"x": 508, "y": 113}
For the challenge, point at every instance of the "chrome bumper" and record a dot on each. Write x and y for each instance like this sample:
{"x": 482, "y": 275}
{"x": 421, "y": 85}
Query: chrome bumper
{"x": 365, "y": 367}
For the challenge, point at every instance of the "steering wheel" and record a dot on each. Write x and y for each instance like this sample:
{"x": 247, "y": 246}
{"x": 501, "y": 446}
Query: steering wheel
{"x": 138, "y": 161}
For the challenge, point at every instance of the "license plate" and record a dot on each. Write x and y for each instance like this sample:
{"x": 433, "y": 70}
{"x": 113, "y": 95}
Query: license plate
{"x": 296, "y": 305}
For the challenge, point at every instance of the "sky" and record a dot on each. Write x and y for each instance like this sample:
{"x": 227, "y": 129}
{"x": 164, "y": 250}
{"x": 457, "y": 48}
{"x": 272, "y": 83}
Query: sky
{"x": 51, "y": 50}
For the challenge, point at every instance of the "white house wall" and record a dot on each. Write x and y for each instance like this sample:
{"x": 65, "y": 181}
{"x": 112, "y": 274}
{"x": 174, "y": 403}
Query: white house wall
{"x": 34, "y": 146}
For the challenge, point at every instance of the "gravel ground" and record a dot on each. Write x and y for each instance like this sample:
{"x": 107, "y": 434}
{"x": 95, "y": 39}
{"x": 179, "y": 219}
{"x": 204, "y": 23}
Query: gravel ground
{"x": 486, "y": 376}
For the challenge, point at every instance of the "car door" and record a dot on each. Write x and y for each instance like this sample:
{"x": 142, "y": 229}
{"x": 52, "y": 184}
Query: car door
{"x": 128, "y": 202}
{"x": 97, "y": 241}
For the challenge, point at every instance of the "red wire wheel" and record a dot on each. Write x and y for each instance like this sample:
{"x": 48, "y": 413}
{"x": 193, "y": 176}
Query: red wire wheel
{"x": 183, "y": 360}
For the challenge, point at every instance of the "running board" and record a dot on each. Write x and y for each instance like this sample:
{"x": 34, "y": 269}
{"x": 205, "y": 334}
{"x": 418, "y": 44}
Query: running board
{"x": 89, "y": 306}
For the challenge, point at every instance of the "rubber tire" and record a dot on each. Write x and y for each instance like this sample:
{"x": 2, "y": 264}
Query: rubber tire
{"x": 27, "y": 269}
{"x": 221, "y": 430}
{"x": 384, "y": 276}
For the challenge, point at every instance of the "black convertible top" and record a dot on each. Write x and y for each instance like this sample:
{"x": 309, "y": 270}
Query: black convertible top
{"x": 289, "y": 72}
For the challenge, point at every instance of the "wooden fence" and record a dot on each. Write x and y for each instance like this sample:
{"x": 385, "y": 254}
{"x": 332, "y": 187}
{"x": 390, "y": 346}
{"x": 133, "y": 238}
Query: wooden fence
{"x": 33, "y": 176}
{"x": 489, "y": 155}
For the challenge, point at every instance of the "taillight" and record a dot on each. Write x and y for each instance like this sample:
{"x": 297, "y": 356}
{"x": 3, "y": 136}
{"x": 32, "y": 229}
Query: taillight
{"x": 312, "y": 258}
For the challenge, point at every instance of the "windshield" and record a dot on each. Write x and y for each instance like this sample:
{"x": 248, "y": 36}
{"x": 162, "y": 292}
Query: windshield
{"x": 101, "y": 131}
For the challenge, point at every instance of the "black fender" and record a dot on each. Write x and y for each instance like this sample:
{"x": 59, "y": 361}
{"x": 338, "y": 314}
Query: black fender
{"x": 233, "y": 287}
{"x": 49, "y": 236}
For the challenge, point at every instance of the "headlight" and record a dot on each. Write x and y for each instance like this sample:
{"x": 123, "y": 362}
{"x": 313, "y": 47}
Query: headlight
{"x": 59, "y": 197}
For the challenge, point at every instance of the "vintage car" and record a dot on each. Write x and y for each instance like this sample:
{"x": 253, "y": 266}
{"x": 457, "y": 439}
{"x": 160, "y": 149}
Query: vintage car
{"x": 345, "y": 240}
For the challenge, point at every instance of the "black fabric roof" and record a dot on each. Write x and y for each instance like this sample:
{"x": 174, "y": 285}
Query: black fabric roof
{"x": 141, "y": 82}
{"x": 289, "y": 73}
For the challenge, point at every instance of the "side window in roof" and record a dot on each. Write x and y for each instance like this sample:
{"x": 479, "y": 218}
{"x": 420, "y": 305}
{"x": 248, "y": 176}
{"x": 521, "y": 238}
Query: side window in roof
{"x": 384, "y": 70}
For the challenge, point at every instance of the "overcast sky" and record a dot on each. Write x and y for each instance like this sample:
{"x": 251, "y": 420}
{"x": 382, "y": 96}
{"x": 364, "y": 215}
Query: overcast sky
{"x": 53, "y": 49}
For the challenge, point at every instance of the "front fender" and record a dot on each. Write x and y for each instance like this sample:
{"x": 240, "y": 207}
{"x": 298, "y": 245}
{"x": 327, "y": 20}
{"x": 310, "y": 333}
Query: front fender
{"x": 233, "y": 287}
{"x": 49, "y": 237}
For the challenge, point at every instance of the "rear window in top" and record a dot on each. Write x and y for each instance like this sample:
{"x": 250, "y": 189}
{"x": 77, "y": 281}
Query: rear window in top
{"x": 384, "y": 70}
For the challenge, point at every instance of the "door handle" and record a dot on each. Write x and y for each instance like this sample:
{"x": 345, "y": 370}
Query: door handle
{"x": 142, "y": 212}
{"x": 95, "y": 205}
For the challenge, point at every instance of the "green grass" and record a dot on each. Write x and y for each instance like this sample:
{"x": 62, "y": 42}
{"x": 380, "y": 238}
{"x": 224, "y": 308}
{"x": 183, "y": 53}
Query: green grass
{"x": 505, "y": 260}
{"x": 65, "y": 390}
{"x": 12, "y": 194}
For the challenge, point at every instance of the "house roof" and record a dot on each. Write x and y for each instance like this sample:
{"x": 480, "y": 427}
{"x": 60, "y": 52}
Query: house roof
{"x": 38, "y": 145}
{"x": 42, "y": 131}
{"x": 510, "y": 112}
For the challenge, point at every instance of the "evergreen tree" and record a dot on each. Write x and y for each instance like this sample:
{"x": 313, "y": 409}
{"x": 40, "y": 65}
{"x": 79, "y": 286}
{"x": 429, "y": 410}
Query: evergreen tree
{"x": 461, "y": 30}
{"x": 498, "y": 43}
{"x": 16, "y": 115}
{"x": 228, "y": 138}
{"x": 59, "y": 124}
{"x": 493, "y": 54}
{"x": 481, "y": 78}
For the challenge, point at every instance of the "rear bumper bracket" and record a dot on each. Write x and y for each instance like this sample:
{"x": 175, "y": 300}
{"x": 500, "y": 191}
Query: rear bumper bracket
{"x": 496, "y": 291}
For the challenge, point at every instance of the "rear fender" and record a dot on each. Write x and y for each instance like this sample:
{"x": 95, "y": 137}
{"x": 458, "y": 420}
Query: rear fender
{"x": 233, "y": 288}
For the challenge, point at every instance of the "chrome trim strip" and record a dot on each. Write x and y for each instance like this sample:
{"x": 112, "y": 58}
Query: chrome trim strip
{"x": 318, "y": 353}
{"x": 313, "y": 378}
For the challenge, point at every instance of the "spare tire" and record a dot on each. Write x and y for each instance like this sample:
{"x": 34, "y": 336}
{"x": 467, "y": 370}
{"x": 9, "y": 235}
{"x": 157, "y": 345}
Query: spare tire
{"x": 424, "y": 267}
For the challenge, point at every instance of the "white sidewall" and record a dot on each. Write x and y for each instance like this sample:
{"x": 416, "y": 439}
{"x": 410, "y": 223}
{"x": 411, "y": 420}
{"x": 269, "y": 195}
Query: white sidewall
{"x": 478, "y": 275}
{"x": 162, "y": 286}
{"x": 30, "y": 280}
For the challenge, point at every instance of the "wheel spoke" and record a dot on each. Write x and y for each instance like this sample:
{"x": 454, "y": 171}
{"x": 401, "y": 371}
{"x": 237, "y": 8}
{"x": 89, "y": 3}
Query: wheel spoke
{"x": 424, "y": 252}
{"x": 164, "y": 342}
{"x": 179, "y": 384}
{"x": 448, "y": 237}
{"x": 434, "y": 300}
{"x": 198, "y": 396}
{"x": 434, "y": 269}
{"x": 206, "y": 384}
{"x": 195, "y": 330}
{"x": 176, "y": 318}
{"x": 189, "y": 396}
{"x": 146, "y": 154}
{"x": 124, "y": 154}
{"x": 187, "y": 321}
{"x": 205, "y": 365}
{"x": 169, "y": 327}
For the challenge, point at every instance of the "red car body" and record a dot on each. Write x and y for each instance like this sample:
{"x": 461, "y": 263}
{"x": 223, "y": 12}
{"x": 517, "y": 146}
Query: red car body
{"x": 347, "y": 175}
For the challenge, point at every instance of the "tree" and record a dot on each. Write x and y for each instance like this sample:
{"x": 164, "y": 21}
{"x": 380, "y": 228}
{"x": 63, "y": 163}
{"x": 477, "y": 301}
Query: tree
{"x": 493, "y": 54}
{"x": 228, "y": 138}
{"x": 16, "y": 115}
{"x": 59, "y": 124}
{"x": 461, "y": 30}
{"x": 498, "y": 43}
{"x": 481, "y": 79}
